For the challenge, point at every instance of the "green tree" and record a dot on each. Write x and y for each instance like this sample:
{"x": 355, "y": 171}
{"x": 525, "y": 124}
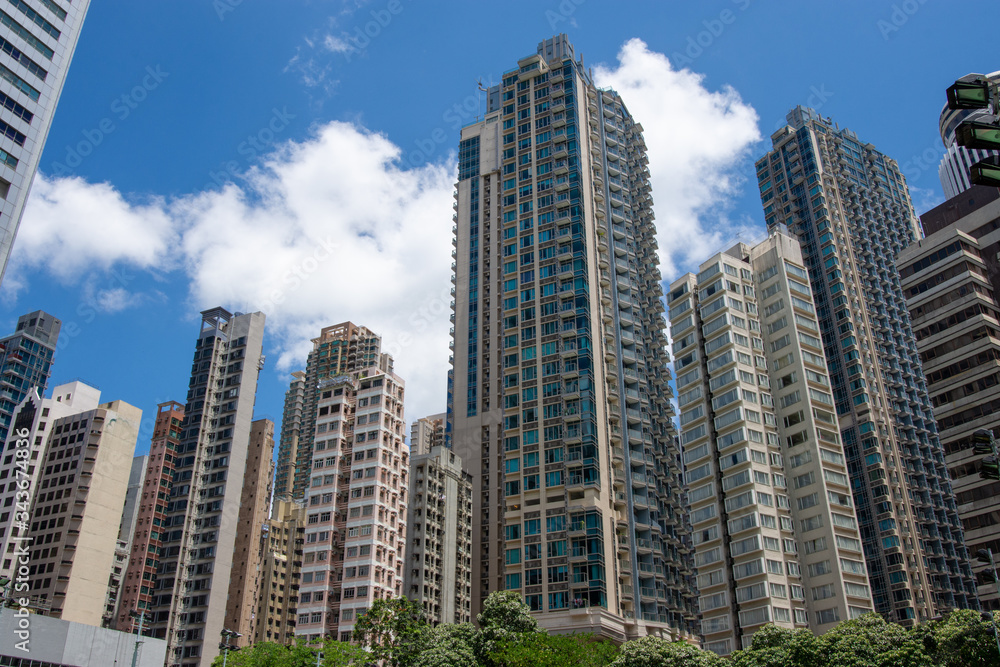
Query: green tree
{"x": 658, "y": 652}
{"x": 299, "y": 654}
{"x": 963, "y": 639}
{"x": 504, "y": 621}
{"x": 780, "y": 647}
{"x": 449, "y": 645}
{"x": 393, "y": 631}
{"x": 540, "y": 649}
{"x": 870, "y": 641}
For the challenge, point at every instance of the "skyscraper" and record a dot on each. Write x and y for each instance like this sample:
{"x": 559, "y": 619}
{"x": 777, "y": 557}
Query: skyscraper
{"x": 25, "y": 359}
{"x": 201, "y": 518}
{"x": 356, "y": 479}
{"x": 952, "y": 298}
{"x": 559, "y": 398}
{"x": 954, "y": 168}
{"x": 776, "y": 537}
{"x": 139, "y": 582}
{"x": 281, "y": 572}
{"x": 76, "y": 509}
{"x": 340, "y": 349}
{"x": 38, "y": 40}
{"x": 438, "y": 569}
{"x": 849, "y": 207}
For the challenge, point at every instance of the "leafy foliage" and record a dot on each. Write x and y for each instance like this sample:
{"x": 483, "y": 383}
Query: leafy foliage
{"x": 393, "y": 631}
{"x": 504, "y": 622}
{"x": 540, "y": 649}
{"x": 270, "y": 654}
{"x": 658, "y": 652}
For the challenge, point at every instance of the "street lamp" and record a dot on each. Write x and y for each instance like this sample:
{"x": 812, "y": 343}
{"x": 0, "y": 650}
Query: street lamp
{"x": 228, "y": 636}
{"x": 970, "y": 92}
{"x": 142, "y": 618}
{"x": 986, "y": 556}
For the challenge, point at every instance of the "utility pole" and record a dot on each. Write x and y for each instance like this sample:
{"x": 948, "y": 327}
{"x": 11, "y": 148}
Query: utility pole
{"x": 986, "y": 556}
{"x": 141, "y": 615}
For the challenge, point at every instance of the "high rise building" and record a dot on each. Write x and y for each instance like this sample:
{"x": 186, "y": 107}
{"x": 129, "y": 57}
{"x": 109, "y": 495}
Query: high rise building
{"x": 245, "y": 579}
{"x": 356, "y": 491}
{"x": 123, "y": 548}
{"x": 25, "y": 355}
{"x": 559, "y": 394}
{"x": 139, "y": 582}
{"x": 438, "y": 570}
{"x": 76, "y": 510}
{"x": 39, "y": 38}
{"x": 954, "y": 168}
{"x": 281, "y": 570}
{"x": 952, "y": 297}
{"x": 774, "y": 526}
{"x": 849, "y": 207}
{"x": 340, "y": 349}
{"x": 427, "y": 433}
{"x": 201, "y": 517}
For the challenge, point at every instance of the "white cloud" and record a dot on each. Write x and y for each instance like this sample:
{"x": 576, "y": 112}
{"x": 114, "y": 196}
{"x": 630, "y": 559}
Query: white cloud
{"x": 696, "y": 139}
{"x": 335, "y": 228}
{"x": 337, "y": 44}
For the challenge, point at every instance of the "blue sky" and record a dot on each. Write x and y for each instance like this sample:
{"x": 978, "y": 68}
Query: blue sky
{"x": 253, "y": 154}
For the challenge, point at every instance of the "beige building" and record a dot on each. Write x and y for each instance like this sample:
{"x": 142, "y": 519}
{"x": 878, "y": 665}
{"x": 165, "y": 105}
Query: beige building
{"x": 949, "y": 281}
{"x": 438, "y": 572}
{"x": 76, "y": 511}
{"x": 357, "y": 493}
{"x": 34, "y": 417}
{"x": 775, "y": 532}
{"x": 427, "y": 433}
{"x": 560, "y": 395}
{"x": 281, "y": 568}
{"x": 123, "y": 548}
{"x": 248, "y": 553}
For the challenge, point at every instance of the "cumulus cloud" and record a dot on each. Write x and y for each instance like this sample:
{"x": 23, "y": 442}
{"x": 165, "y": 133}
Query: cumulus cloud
{"x": 337, "y": 227}
{"x": 695, "y": 138}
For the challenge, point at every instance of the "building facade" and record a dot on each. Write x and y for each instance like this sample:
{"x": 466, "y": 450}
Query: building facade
{"x": 954, "y": 168}
{"x": 123, "y": 548}
{"x": 139, "y": 582}
{"x": 438, "y": 571}
{"x": 356, "y": 496}
{"x": 775, "y": 533}
{"x": 281, "y": 571}
{"x": 245, "y": 579}
{"x": 76, "y": 511}
{"x": 33, "y": 416}
{"x": 341, "y": 348}
{"x": 201, "y": 520}
{"x": 25, "y": 358}
{"x": 849, "y": 207}
{"x": 38, "y": 42}
{"x": 559, "y": 389}
{"x": 427, "y": 433}
{"x": 951, "y": 296}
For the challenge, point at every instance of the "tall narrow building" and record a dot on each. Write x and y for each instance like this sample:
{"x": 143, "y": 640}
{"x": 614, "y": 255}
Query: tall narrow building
{"x": 356, "y": 482}
{"x": 126, "y": 531}
{"x": 139, "y": 582}
{"x": 559, "y": 397}
{"x": 951, "y": 294}
{"x": 25, "y": 358}
{"x": 281, "y": 572}
{"x": 340, "y": 349}
{"x": 775, "y": 533}
{"x": 438, "y": 571}
{"x": 39, "y": 38}
{"x": 849, "y": 207}
{"x": 202, "y": 517}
